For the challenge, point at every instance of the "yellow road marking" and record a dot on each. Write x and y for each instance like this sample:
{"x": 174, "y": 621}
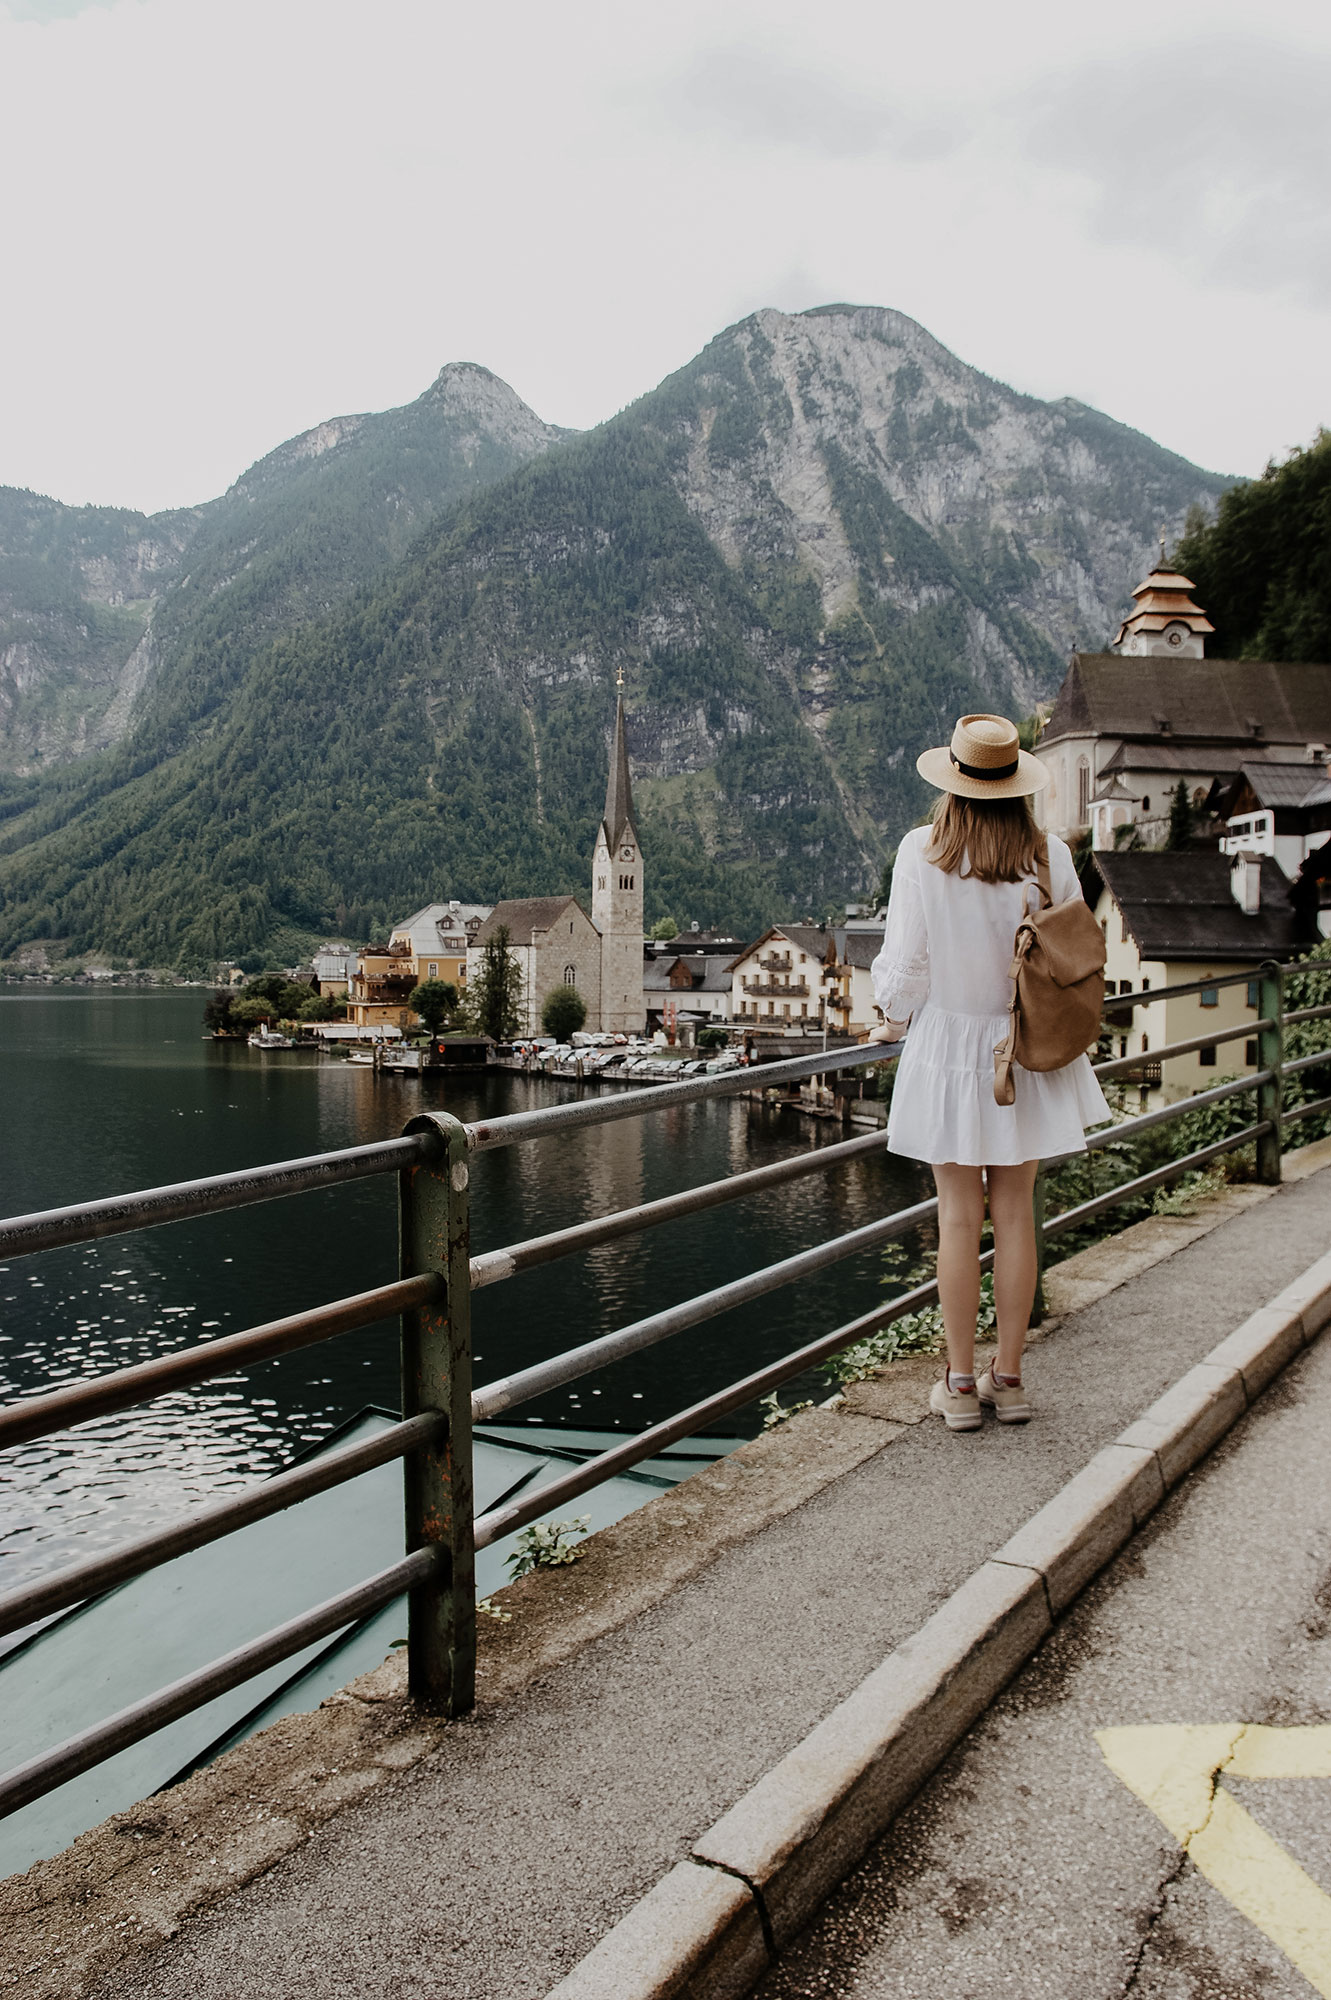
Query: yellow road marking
{"x": 1174, "y": 1769}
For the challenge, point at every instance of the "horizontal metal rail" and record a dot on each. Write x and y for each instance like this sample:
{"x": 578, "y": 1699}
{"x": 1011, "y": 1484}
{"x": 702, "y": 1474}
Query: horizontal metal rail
{"x": 1070, "y": 1217}
{"x": 42, "y": 1599}
{"x": 1305, "y": 1062}
{"x": 1110, "y": 1135}
{"x": 491, "y": 1266}
{"x": 100, "y": 1395}
{"x": 646, "y": 1444}
{"x": 522, "y": 1125}
{"x": 52, "y": 1228}
{"x": 509, "y": 1390}
{"x": 1122, "y": 1001}
{"x": 1305, "y": 1110}
{"x": 1208, "y": 1041}
{"x": 1297, "y": 1014}
{"x": 55, "y": 1767}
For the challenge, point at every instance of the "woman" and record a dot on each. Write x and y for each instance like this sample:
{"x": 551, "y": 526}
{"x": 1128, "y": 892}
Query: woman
{"x": 959, "y": 890}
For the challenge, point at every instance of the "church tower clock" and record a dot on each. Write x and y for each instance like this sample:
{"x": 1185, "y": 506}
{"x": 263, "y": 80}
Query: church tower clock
{"x": 617, "y": 895}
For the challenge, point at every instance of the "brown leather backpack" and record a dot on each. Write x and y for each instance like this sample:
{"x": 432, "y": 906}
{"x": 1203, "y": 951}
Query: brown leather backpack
{"x": 1058, "y": 986}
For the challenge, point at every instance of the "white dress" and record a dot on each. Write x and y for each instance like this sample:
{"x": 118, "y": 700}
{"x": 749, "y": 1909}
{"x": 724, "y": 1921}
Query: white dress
{"x": 944, "y": 964}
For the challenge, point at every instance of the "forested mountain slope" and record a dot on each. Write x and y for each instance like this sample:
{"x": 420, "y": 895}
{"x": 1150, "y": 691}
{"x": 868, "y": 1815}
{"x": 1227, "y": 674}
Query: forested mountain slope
{"x": 808, "y": 550}
{"x": 99, "y": 604}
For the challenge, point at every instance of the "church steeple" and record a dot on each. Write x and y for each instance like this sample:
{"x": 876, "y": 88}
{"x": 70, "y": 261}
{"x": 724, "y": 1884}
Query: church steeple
{"x": 619, "y": 791}
{"x": 617, "y": 892}
{"x": 1165, "y": 621}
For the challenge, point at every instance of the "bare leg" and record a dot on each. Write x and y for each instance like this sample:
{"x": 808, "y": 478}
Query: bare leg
{"x": 960, "y": 1220}
{"x": 1011, "y": 1197}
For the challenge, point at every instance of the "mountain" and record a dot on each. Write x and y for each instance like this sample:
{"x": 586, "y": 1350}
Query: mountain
{"x": 95, "y": 602}
{"x": 807, "y": 551}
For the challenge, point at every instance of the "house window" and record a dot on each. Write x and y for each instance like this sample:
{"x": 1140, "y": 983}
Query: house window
{"x": 434, "y": 972}
{"x": 1146, "y": 1045}
{"x": 1146, "y": 986}
{"x": 570, "y": 975}
{"x": 1253, "y": 997}
{"x": 1210, "y": 996}
{"x": 1206, "y": 1057}
{"x": 1146, "y": 803}
{"x": 1083, "y": 791}
{"x": 1122, "y": 929}
{"x": 1250, "y": 1053}
{"x": 786, "y": 1009}
{"x": 600, "y": 881}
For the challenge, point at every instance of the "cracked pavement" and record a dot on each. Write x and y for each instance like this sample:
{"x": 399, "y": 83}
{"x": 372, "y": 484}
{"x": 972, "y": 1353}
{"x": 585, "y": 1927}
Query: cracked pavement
{"x": 1026, "y": 1866}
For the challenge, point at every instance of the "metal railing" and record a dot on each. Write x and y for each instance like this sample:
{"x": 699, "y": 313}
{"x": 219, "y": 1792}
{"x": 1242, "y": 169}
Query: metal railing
{"x": 432, "y": 1294}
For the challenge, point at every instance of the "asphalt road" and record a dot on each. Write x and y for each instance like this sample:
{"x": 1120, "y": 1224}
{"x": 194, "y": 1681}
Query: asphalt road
{"x": 489, "y": 1870}
{"x": 1027, "y": 1866}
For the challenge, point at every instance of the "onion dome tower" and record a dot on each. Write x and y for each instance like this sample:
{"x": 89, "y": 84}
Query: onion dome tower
{"x": 1166, "y": 622}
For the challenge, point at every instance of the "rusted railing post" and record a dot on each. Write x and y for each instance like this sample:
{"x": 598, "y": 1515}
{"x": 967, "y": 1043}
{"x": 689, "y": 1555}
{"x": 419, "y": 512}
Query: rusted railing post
{"x": 435, "y": 1212}
{"x": 1270, "y": 1055}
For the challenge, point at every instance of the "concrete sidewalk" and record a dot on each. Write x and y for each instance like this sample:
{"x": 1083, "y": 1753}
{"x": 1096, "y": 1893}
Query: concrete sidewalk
{"x": 490, "y": 1867}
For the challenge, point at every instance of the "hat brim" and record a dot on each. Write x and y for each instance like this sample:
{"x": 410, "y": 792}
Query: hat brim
{"x": 936, "y": 768}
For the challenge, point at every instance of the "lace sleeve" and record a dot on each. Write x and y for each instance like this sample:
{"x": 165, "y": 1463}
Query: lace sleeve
{"x": 900, "y": 973}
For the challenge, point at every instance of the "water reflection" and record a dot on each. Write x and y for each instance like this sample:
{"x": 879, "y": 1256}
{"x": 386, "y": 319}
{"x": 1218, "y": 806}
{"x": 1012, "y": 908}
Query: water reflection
{"x": 112, "y": 1091}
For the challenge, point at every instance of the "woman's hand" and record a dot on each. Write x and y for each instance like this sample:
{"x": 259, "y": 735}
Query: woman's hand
{"x": 888, "y": 1031}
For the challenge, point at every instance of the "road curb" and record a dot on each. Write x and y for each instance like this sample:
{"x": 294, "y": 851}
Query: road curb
{"x": 716, "y": 1922}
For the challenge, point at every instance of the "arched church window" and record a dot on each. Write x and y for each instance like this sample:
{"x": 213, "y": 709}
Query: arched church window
{"x": 1083, "y": 791}
{"x": 570, "y": 975}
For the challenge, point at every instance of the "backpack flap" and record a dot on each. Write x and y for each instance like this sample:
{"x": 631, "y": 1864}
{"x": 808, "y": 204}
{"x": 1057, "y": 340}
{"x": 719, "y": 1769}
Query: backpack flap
{"x": 1071, "y": 943}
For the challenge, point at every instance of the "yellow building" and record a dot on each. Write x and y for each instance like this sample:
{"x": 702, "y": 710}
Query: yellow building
{"x": 437, "y": 938}
{"x": 1172, "y": 918}
{"x": 377, "y": 996}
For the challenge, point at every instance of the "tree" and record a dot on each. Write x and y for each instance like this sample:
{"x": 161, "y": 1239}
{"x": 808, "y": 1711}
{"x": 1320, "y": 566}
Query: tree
{"x": 436, "y": 1001}
{"x": 564, "y": 1012}
{"x": 495, "y": 996}
{"x": 321, "y": 1007}
{"x": 217, "y": 1011}
{"x": 251, "y": 1011}
{"x": 885, "y": 879}
{"x": 664, "y": 929}
{"x": 1263, "y": 567}
{"x": 1180, "y": 817}
{"x": 712, "y": 1038}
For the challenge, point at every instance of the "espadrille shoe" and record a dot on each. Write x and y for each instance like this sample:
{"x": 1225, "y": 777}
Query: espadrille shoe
{"x": 960, "y": 1410}
{"x": 1010, "y": 1406}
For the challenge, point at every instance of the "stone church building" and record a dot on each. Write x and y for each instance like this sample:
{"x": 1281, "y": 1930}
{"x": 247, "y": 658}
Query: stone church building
{"x": 556, "y": 943}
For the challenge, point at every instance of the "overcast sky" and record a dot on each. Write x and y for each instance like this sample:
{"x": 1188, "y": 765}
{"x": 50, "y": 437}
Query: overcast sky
{"x": 227, "y": 219}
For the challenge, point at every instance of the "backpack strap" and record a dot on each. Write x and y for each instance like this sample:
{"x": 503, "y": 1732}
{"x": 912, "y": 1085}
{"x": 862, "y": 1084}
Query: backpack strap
{"x": 1005, "y": 1091}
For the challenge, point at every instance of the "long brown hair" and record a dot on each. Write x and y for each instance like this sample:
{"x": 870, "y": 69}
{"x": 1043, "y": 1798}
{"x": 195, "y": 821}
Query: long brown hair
{"x": 993, "y": 839}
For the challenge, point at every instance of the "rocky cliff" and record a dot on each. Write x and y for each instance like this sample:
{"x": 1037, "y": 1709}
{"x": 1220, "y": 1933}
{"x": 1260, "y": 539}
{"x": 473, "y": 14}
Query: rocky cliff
{"x": 807, "y": 552}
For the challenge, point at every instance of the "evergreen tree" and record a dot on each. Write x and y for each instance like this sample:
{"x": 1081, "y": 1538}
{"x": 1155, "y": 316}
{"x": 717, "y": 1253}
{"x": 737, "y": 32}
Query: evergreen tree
{"x": 1180, "y": 817}
{"x": 495, "y": 998}
{"x": 564, "y": 1012}
{"x": 1263, "y": 567}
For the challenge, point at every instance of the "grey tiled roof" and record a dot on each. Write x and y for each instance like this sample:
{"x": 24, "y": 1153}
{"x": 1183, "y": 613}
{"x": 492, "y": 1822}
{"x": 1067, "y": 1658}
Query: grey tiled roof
{"x": 1178, "y": 905}
{"x": 1213, "y": 701}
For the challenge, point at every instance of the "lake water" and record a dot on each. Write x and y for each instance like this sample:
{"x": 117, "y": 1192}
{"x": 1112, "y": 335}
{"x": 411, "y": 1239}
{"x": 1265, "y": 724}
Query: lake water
{"x": 102, "y": 1092}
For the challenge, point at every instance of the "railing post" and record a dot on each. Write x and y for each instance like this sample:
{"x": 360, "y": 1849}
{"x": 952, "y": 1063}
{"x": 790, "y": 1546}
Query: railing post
{"x": 1270, "y": 1055}
{"x": 435, "y": 1235}
{"x": 1038, "y": 1307}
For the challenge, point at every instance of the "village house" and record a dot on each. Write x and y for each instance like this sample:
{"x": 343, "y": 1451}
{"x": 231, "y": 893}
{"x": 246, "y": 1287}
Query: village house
{"x": 851, "y": 952}
{"x": 377, "y": 994}
{"x": 691, "y": 988}
{"x": 1128, "y": 725}
{"x": 1176, "y": 917}
{"x": 334, "y": 969}
{"x": 438, "y": 938}
{"x": 777, "y": 982}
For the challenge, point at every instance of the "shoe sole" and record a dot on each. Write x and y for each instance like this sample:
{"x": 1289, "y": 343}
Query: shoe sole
{"x": 1021, "y": 1415}
{"x": 962, "y": 1423}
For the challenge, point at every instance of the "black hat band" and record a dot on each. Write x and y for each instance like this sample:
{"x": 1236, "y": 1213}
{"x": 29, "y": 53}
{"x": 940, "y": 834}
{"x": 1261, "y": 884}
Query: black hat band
{"x": 994, "y": 771}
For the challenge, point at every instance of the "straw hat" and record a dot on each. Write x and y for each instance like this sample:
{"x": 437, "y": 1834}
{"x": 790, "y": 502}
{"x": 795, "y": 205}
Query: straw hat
{"x": 985, "y": 761}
